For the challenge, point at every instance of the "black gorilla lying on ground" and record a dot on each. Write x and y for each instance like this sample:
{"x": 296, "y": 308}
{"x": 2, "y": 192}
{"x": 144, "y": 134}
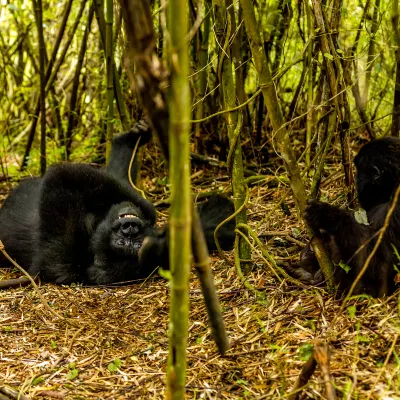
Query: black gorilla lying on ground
{"x": 378, "y": 173}
{"x": 84, "y": 225}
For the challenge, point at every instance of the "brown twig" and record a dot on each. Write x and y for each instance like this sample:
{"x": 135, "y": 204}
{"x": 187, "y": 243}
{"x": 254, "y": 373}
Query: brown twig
{"x": 321, "y": 354}
{"x": 13, "y": 394}
{"x": 305, "y": 374}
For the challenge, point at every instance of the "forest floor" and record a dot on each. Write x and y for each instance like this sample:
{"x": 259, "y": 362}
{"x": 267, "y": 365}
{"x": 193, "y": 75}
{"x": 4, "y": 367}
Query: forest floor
{"x": 112, "y": 342}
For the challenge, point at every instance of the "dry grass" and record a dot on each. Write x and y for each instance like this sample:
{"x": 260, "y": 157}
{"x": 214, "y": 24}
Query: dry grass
{"x": 270, "y": 334}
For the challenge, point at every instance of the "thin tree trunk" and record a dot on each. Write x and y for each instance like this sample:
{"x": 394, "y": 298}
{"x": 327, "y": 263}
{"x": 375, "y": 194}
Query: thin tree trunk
{"x": 338, "y": 99}
{"x": 73, "y": 113}
{"x": 322, "y": 135}
{"x": 202, "y": 84}
{"x": 235, "y": 160}
{"x": 120, "y": 100}
{"x": 237, "y": 61}
{"x": 109, "y": 68}
{"x": 371, "y": 55}
{"x": 310, "y": 87}
{"x": 395, "y": 129}
{"x": 42, "y": 98}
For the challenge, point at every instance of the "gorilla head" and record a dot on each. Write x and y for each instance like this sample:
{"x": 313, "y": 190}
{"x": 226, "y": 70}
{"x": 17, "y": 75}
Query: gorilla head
{"x": 378, "y": 171}
{"x": 122, "y": 231}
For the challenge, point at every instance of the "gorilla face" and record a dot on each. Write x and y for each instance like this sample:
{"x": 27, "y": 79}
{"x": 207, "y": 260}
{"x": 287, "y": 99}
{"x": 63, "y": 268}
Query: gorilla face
{"x": 122, "y": 231}
{"x": 127, "y": 231}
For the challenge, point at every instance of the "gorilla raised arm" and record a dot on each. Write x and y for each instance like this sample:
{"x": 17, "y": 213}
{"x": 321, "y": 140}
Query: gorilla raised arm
{"x": 378, "y": 174}
{"x": 84, "y": 225}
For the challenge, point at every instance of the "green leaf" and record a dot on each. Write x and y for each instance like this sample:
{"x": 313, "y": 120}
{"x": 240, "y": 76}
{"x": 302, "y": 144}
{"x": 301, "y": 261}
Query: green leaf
{"x": 363, "y": 339}
{"x": 361, "y": 217}
{"x": 53, "y": 344}
{"x": 339, "y": 51}
{"x": 72, "y": 374}
{"x": 344, "y": 266}
{"x": 328, "y": 56}
{"x": 352, "y": 311}
{"x": 273, "y": 346}
{"x": 305, "y": 351}
{"x": 114, "y": 365}
{"x": 165, "y": 273}
{"x": 37, "y": 380}
{"x": 296, "y": 232}
{"x": 72, "y": 365}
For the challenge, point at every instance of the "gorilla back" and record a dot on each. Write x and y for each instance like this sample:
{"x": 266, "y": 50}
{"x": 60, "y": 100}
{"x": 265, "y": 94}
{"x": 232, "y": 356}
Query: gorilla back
{"x": 81, "y": 224}
{"x": 19, "y": 219}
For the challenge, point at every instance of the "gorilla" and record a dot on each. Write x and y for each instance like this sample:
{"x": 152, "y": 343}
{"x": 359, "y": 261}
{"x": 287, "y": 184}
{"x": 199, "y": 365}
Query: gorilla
{"x": 378, "y": 174}
{"x": 79, "y": 224}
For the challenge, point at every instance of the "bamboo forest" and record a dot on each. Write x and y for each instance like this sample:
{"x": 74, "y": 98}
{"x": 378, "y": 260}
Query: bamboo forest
{"x": 199, "y": 199}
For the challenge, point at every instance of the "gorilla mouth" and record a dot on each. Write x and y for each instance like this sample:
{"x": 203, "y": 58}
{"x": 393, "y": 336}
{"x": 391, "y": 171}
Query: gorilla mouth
{"x": 127, "y": 216}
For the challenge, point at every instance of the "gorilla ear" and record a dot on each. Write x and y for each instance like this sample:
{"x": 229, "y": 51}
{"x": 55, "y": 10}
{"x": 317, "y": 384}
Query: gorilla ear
{"x": 377, "y": 173}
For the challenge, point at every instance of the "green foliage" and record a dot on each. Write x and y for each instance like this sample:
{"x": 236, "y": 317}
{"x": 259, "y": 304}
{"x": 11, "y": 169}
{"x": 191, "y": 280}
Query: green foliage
{"x": 37, "y": 380}
{"x": 73, "y": 372}
{"x": 344, "y": 266}
{"x": 114, "y": 365}
{"x": 165, "y": 273}
{"x": 305, "y": 351}
{"x": 352, "y": 311}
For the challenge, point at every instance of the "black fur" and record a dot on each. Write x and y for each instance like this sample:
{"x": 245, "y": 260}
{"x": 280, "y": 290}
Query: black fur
{"x": 212, "y": 213}
{"x": 83, "y": 225}
{"x": 378, "y": 173}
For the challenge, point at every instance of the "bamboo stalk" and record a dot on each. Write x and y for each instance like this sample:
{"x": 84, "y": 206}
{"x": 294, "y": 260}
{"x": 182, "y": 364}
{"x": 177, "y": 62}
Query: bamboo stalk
{"x": 202, "y": 84}
{"x": 37, "y": 4}
{"x": 73, "y": 115}
{"x": 109, "y": 68}
{"x": 234, "y": 125}
{"x": 181, "y": 214}
{"x": 395, "y": 129}
{"x": 309, "y": 127}
{"x": 119, "y": 97}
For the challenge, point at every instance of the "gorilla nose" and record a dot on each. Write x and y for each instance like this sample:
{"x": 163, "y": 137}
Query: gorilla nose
{"x": 129, "y": 228}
